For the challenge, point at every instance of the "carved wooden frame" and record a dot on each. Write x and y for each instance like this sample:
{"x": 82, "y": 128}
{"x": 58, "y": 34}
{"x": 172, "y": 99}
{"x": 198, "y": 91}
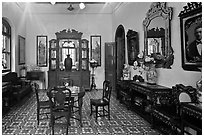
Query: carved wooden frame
{"x": 132, "y": 46}
{"x": 190, "y": 18}
{"x": 159, "y": 9}
{"x": 42, "y": 51}
{"x": 95, "y": 49}
{"x": 21, "y": 51}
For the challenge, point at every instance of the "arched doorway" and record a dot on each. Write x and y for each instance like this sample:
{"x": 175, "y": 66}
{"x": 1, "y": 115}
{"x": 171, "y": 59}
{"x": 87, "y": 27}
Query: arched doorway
{"x": 120, "y": 51}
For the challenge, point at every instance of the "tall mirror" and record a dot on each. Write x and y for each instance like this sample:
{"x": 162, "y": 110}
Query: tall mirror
{"x": 157, "y": 39}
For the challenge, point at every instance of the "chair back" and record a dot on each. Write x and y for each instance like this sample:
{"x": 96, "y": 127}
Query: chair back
{"x": 107, "y": 90}
{"x": 183, "y": 93}
{"x": 60, "y": 98}
{"x": 35, "y": 88}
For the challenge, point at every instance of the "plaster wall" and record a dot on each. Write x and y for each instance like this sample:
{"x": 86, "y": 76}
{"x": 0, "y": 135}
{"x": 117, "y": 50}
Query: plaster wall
{"x": 49, "y": 24}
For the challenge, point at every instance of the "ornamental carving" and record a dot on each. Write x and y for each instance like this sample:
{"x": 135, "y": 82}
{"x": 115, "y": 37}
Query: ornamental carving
{"x": 70, "y": 33}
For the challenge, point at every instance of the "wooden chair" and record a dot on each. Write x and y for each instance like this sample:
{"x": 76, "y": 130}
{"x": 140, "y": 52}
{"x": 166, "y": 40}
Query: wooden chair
{"x": 41, "y": 105}
{"x": 60, "y": 105}
{"x": 76, "y": 102}
{"x": 104, "y": 102}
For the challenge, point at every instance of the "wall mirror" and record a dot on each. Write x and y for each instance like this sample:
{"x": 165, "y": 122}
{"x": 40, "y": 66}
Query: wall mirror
{"x": 69, "y": 47}
{"x": 157, "y": 39}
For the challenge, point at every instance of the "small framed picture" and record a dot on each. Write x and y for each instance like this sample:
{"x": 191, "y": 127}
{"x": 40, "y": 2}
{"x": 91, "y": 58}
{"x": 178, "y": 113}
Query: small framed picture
{"x": 96, "y": 49}
{"x": 21, "y": 43}
{"x": 42, "y": 51}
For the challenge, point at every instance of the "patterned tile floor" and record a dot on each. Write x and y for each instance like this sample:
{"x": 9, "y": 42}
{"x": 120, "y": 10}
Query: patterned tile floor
{"x": 21, "y": 120}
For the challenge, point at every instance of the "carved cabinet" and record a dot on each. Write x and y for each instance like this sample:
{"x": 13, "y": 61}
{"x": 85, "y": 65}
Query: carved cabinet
{"x": 69, "y": 42}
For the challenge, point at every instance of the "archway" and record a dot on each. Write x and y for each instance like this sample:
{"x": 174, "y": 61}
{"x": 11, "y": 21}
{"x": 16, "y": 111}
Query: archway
{"x": 120, "y": 51}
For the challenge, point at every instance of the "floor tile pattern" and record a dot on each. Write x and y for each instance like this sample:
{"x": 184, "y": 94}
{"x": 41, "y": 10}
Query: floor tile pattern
{"x": 21, "y": 120}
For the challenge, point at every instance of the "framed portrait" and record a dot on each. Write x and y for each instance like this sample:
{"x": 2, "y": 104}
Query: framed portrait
{"x": 96, "y": 48}
{"x": 42, "y": 51}
{"x": 132, "y": 46}
{"x": 191, "y": 36}
{"x": 21, "y": 55}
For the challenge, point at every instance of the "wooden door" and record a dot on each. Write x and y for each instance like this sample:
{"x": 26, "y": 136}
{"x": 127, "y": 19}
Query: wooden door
{"x": 110, "y": 69}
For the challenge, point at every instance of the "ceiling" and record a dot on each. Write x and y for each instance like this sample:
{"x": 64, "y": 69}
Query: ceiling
{"x": 61, "y": 7}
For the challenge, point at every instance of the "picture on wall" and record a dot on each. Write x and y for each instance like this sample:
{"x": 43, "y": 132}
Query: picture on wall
{"x": 191, "y": 37}
{"x": 96, "y": 48}
{"x": 21, "y": 44}
{"x": 42, "y": 51}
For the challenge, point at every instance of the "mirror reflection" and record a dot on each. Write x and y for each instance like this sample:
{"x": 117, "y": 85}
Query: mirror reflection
{"x": 156, "y": 36}
{"x": 69, "y": 47}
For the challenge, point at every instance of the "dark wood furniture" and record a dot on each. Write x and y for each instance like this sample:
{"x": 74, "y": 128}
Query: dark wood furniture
{"x": 60, "y": 105}
{"x": 140, "y": 96}
{"x": 77, "y": 93}
{"x": 13, "y": 90}
{"x": 110, "y": 66}
{"x": 103, "y": 102}
{"x": 69, "y": 42}
{"x": 36, "y": 76}
{"x": 42, "y": 105}
{"x": 191, "y": 114}
{"x": 166, "y": 115}
{"x": 124, "y": 94}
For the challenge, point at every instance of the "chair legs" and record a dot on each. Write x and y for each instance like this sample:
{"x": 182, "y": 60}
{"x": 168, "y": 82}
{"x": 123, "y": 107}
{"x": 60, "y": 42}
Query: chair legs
{"x": 91, "y": 110}
{"x": 96, "y": 112}
{"x": 108, "y": 112}
{"x": 105, "y": 110}
{"x": 38, "y": 117}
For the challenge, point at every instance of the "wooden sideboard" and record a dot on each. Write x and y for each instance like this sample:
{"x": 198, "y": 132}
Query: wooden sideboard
{"x": 140, "y": 96}
{"x": 191, "y": 114}
{"x": 55, "y": 76}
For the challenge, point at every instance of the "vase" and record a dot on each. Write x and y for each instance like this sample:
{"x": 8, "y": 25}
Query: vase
{"x": 151, "y": 74}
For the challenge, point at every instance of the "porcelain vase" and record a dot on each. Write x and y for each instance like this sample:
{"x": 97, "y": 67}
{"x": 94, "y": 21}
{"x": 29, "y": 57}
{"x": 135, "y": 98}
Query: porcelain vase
{"x": 151, "y": 74}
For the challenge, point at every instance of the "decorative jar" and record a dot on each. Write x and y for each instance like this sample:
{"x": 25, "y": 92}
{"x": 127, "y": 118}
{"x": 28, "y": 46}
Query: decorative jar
{"x": 151, "y": 74}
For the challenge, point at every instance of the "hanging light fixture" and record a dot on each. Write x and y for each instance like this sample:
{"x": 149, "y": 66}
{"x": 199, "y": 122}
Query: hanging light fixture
{"x": 52, "y": 2}
{"x": 70, "y": 8}
{"x": 82, "y": 5}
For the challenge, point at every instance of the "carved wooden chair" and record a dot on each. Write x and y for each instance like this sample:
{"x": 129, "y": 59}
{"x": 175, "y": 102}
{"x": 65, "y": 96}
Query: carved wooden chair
{"x": 76, "y": 101}
{"x": 103, "y": 102}
{"x": 60, "y": 105}
{"x": 168, "y": 111}
{"x": 41, "y": 105}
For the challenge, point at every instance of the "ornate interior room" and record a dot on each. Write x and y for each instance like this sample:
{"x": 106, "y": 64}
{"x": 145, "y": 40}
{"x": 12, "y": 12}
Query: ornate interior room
{"x": 101, "y": 68}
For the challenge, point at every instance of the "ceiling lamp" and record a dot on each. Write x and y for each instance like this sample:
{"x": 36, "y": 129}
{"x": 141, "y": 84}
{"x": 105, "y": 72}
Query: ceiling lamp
{"x": 82, "y": 5}
{"x": 52, "y": 2}
{"x": 70, "y": 8}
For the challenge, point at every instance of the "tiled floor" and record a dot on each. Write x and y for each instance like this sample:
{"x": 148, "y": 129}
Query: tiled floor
{"x": 21, "y": 120}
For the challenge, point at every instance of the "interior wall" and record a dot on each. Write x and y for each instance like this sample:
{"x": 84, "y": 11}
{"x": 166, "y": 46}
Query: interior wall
{"x": 131, "y": 16}
{"x": 17, "y": 23}
{"x": 49, "y": 24}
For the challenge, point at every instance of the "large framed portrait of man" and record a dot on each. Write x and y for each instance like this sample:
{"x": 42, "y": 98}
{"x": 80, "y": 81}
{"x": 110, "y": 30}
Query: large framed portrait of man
{"x": 191, "y": 36}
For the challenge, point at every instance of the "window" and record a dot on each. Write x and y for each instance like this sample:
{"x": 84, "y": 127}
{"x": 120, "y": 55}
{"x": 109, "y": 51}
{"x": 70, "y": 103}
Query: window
{"x": 6, "y": 46}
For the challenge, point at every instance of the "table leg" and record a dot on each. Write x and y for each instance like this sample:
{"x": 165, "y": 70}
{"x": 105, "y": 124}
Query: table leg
{"x": 80, "y": 102}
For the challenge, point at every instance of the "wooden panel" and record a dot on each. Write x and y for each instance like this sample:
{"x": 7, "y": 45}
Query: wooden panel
{"x": 74, "y": 75}
{"x": 110, "y": 63}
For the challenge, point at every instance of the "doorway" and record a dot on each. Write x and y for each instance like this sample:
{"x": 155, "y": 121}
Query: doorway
{"x": 120, "y": 51}
{"x": 115, "y": 57}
